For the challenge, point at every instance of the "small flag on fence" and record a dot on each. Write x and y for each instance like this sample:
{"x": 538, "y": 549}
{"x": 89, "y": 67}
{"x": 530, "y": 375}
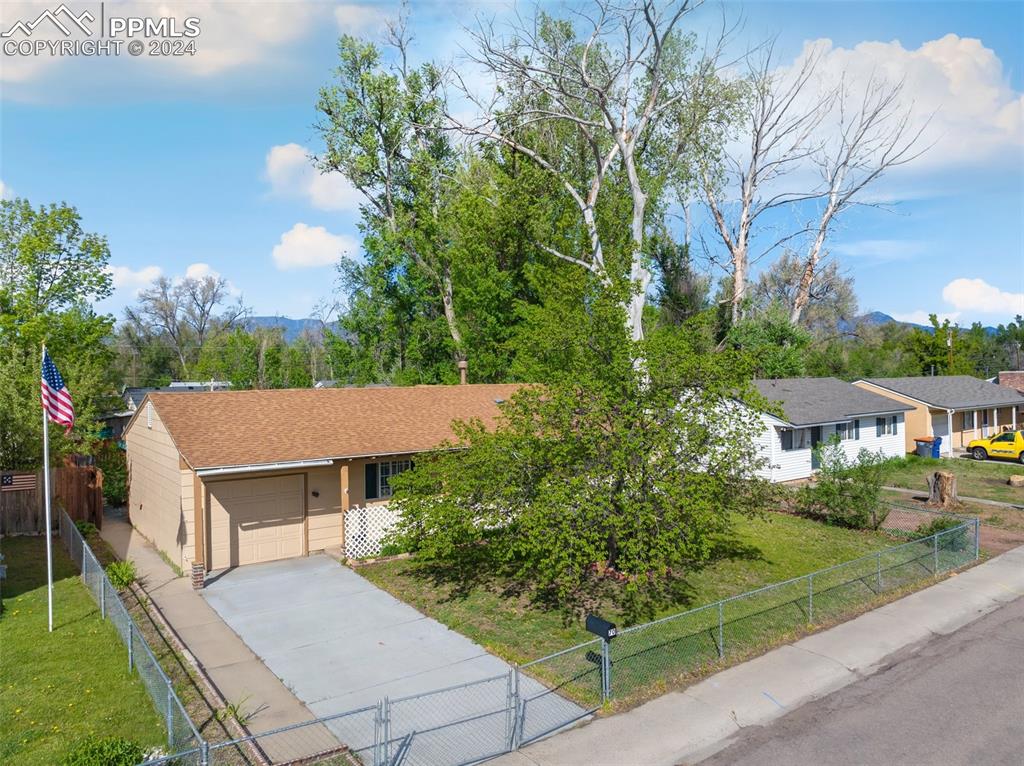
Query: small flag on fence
{"x": 56, "y": 397}
{"x": 15, "y": 482}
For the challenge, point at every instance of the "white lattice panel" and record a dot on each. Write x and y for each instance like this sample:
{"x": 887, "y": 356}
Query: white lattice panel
{"x": 366, "y": 527}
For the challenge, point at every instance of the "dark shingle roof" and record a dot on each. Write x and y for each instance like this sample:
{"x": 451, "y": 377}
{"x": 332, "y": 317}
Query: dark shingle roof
{"x": 809, "y": 401}
{"x": 953, "y": 392}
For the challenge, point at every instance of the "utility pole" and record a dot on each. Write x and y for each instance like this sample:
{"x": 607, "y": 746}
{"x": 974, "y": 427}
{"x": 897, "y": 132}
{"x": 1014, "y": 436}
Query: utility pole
{"x": 949, "y": 349}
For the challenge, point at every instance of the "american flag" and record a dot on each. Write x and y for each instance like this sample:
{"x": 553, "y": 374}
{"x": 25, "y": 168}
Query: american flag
{"x": 56, "y": 397}
{"x": 15, "y": 482}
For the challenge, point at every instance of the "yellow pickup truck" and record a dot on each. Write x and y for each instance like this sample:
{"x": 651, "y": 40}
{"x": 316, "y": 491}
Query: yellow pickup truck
{"x": 1009, "y": 445}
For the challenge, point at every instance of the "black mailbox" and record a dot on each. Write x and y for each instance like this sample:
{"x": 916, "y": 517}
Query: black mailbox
{"x": 602, "y": 628}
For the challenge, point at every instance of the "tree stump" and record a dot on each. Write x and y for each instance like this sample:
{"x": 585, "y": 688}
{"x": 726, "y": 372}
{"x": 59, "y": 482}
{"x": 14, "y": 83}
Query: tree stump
{"x": 942, "y": 489}
{"x": 1016, "y": 481}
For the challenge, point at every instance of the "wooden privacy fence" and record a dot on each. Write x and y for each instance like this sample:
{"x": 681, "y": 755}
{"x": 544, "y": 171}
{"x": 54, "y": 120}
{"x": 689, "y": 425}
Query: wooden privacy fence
{"x": 77, "y": 489}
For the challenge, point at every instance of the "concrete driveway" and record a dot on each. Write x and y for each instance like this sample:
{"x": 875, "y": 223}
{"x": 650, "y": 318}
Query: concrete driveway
{"x": 340, "y": 644}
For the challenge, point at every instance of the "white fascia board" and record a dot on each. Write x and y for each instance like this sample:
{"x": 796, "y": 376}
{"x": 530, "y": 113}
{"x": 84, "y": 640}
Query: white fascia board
{"x": 260, "y": 467}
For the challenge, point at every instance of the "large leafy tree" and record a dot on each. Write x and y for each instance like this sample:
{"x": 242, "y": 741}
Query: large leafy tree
{"x": 51, "y": 271}
{"x": 608, "y": 482}
{"x": 380, "y": 124}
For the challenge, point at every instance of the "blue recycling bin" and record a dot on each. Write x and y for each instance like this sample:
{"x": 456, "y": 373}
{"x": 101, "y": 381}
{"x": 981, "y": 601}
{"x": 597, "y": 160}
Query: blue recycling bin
{"x": 937, "y": 446}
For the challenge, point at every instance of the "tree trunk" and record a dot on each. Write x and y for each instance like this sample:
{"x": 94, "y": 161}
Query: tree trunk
{"x": 942, "y": 489}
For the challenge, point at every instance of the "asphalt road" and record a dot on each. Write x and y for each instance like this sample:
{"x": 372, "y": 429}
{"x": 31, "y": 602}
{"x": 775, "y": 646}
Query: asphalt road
{"x": 958, "y": 699}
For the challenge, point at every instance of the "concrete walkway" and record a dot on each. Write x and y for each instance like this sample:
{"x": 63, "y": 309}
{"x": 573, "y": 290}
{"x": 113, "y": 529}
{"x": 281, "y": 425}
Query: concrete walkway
{"x": 235, "y": 671}
{"x": 688, "y": 725}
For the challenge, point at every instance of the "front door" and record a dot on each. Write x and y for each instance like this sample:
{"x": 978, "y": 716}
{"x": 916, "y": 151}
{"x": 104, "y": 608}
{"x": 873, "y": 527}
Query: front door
{"x": 815, "y": 441}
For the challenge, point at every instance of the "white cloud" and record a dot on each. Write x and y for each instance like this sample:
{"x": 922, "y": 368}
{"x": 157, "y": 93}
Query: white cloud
{"x": 305, "y": 246}
{"x": 979, "y": 296}
{"x": 6, "y": 192}
{"x": 291, "y": 174}
{"x": 956, "y": 82}
{"x": 201, "y": 271}
{"x": 126, "y": 278}
{"x": 359, "y": 18}
{"x": 881, "y": 249}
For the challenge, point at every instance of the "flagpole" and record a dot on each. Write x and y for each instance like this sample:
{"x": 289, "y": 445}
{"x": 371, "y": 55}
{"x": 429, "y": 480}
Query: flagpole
{"x": 49, "y": 530}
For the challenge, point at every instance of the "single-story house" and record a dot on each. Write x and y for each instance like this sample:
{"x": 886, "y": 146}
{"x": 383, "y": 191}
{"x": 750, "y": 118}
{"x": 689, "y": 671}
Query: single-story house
{"x": 226, "y": 478}
{"x": 957, "y": 408}
{"x": 813, "y": 410}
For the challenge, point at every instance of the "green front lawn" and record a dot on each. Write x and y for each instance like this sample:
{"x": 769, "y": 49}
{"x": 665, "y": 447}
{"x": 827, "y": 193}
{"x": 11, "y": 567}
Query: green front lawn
{"x": 59, "y": 687}
{"x": 975, "y": 478}
{"x": 769, "y": 549}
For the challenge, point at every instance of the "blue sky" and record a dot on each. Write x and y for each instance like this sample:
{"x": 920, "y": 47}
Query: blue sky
{"x": 196, "y": 165}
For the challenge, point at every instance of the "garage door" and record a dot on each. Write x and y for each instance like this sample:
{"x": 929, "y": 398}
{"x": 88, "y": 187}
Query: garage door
{"x": 254, "y": 520}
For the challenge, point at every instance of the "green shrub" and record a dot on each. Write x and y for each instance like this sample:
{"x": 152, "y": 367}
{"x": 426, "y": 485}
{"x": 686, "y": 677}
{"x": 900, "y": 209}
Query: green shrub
{"x": 121, "y": 574}
{"x": 85, "y": 528}
{"x": 942, "y": 524}
{"x": 104, "y": 751}
{"x": 847, "y": 493}
{"x": 111, "y": 460}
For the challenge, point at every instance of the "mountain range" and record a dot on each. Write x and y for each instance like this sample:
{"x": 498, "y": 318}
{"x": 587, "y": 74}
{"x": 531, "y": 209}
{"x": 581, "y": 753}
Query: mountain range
{"x": 293, "y": 327}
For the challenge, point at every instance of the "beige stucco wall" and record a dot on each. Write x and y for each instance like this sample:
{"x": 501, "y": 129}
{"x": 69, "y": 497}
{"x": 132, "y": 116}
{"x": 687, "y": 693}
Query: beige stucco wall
{"x": 155, "y": 488}
{"x": 916, "y": 420}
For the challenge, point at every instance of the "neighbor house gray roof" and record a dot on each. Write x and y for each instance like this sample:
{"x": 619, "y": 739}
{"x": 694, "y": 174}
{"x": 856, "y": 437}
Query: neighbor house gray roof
{"x": 809, "y": 401}
{"x": 951, "y": 392}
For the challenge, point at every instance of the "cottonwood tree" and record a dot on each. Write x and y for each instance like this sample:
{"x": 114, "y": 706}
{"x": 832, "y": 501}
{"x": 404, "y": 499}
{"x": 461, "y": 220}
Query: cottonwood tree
{"x": 381, "y": 128}
{"x": 183, "y": 314}
{"x": 875, "y": 133}
{"x": 780, "y": 116}
{"x": 634, "y": 88}
{"x": 842, "y": 138}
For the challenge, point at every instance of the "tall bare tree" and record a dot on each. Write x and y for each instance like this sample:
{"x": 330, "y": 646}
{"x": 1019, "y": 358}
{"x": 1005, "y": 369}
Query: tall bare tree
{"x": 780, "y": 117}
{"x": 876, "y": 133}
{"x": 633, "y": 87}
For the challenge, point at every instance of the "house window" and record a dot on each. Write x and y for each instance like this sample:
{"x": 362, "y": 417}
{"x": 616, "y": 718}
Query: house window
{"x": 887, "y": 426}
{"x": 967, "y": 422}
{"x": 796, "y": 438}
{"x": 856, "y": 430}
{"x": 379, "y": 475}
{"x": 843, "y": 431}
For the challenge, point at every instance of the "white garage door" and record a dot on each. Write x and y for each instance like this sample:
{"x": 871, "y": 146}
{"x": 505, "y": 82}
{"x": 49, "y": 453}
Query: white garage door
{"x": 940, "y": 426}
{"x": 254, "y": 520}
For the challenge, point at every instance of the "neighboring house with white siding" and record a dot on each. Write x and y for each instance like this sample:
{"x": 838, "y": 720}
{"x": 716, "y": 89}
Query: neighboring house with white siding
{"x": 813, "y": 410}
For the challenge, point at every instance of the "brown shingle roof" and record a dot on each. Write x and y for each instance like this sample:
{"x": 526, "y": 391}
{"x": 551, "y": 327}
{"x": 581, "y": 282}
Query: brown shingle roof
{"x": 230, "y": 428}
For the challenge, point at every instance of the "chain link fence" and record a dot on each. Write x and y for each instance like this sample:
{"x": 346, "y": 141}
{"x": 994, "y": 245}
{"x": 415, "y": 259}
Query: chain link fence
{"x": 182, "y": 734}
{"x": 474, "y": 721}
{"x": 645, "y": 660}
